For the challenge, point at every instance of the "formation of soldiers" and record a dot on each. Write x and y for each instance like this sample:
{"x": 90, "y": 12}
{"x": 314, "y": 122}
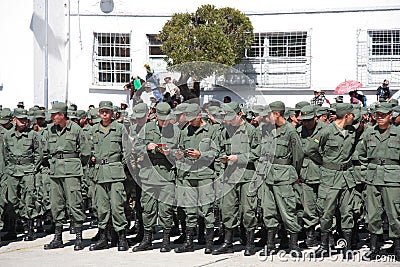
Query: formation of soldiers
{"x": 216, "y": 170}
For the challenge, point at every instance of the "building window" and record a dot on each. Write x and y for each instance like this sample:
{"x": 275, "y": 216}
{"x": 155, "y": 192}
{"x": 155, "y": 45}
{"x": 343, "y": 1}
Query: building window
{"x": 378, "y": 56}
{"x": 154, "y": 54}
{"x": 111, "y": 58}
{"x": 279, "y": 59}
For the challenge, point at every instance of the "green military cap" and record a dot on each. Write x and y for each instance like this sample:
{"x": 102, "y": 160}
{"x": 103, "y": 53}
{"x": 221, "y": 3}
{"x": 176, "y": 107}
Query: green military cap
{"x": 213, "y": 110}
{"x": 163, "y": 110}
{"x": 94, "y": 115}
{"x": 39, "y": 114}
{"x": 357, "y": 113}
{"x": 289, "y": 112}
{"x": 307, "y": 112}
{"x": 383, "y": 107}
{"x": 333, "y": 107}
{"x": 21, "y": 103}
{"x": 277, "y": 106}
{"x": 20, "y": 113}
{"x": 180, "y": 109}
{"x": 394, "y": 102}
{"x": 265, "y": 111}
{"x": 192, "y": 111}
{"x": 106, "y": 105}
{"x": 396, "y": 112}
{"x": 343, "y": 109}
{"x": 140, "y": 110}
{"x": 72, "y": 107}
{"x": 231, "y": 109}
{"x": 301, "y": 104}
{"x": 59, "y": 107}
{"x": 5, "y": 115}
{"x": 258, "y": 109}
{"x": 72, "y": 114}
{"x": 81, "y": 113}
{"x": 322, "y": 111}
{"x": 364, "y": 110}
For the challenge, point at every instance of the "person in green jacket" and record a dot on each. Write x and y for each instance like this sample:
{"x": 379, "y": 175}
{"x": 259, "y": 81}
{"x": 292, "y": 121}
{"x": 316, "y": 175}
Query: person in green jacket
{"x": 198, "y": 146}
{"x": 279, "y": 170}
{"x": 310, "y": 172}
{"x": 379, "y": 151}
{"x": 110, "y": 140}
{"x": 69, "y": 150}
{"x": 237, "y": 147}
{"x": 157, "y": 142}
{"x": 335, "y": 144}
{"x": 23, "y": 156}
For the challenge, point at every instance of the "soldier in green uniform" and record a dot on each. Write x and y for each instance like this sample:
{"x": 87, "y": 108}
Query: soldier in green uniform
{"x": 237, "y": 149}
{"x": 396, "y": 116}
{"x": 23, "y": 156}
{"x": 2, "y": 167}
{"x": 310, "y": 172}
{"x": 69, "y": 150}
{"x": 108, "y": 139}
{"x": 198, "y": 146}
{"x": 379, "y": 151}
{"x": 336, "y": 144}
{"x": 157, "y": 142}
{"x": 139, "y": 116}
{"x": 278, "y": 196}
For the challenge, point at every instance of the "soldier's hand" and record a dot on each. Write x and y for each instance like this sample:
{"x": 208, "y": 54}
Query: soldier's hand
{"x": 233, "y": 158}
{"x": 179, "y": 154}
{"x": 93, "y": 160}
{"x": 193, "y": 153}
{"x": 224, "y": 159}
{"x": 151, "y": 146}
{"x": 165, "y": 150}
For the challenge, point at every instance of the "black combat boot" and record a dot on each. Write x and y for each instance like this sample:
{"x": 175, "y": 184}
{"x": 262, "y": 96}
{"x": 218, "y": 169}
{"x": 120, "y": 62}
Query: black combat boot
{"x": 181, "y": 239}
{"x": 373, "y": 249}
{"x": 262, "y": 234}
{"x": 201, "y": 240}
{"x": 102, "y": 243}
{"x": 39, "y": 224}
{"x": 284, "y": 240}
{"x": 78, "y": 239}
{"x": 57, "y": 241}
{"x": 122, "y": 242}
{"x": 310, "y": 239}
{"x": 227, "y": 246}
{"x": 72, "y": 228}
{"x": 323, "y": 249}
{"x": 209, "y": 240}
{"x": 146, "y": 242}
{"x": 30, "y": 236}
{"x": 270, "y": 243}
{"x": 250, "y": 247}
{"x": 347, "y": 235}
{"x": 188, "y": 244}
{"x": 397, "y": 248}
{"x": 139, "y": 232}
{"x": 165, "y": 245}
{"x": 295, "y": 250}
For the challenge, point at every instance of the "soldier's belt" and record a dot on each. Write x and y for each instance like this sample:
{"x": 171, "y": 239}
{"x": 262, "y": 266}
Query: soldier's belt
{"x": 337, "y": 167}
{"x": 107, "y": 161}
{"x": 21, "y": 161}
{"x": 282, "y": 161}
{"x": 66, "y": 155}
{"x": 382, "y": 161}
{"x": 356, "y": 163}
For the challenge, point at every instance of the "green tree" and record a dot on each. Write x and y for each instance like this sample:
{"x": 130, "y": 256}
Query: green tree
{"x": 207, "y": 35}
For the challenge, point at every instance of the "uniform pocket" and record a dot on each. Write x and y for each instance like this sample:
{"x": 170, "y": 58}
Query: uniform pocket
{"x": 392, "y": 174}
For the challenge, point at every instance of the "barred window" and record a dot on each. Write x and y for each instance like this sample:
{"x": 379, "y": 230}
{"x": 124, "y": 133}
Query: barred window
{"x": 111, "y": 58}
{"x": 280, "y": 59}
{"x": 385, "y": 43}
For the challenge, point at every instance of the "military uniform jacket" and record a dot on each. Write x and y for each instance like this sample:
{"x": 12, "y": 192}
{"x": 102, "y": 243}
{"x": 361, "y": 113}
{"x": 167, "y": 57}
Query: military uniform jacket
{"x": 381, "y": 155}
{"x": 286, "y": 158}
{"x": 23, "y": 152}
{"x": 206, "y": 141}
{"x": 2, "y": 160}
{"x": 310, "y": 170}
{"x": 336, "y": 151}
{"x": 156, "y": 168}
{"x": 69, "y": 150}
{"x": 243, "y": 142}
{"x": 110, "y": 153}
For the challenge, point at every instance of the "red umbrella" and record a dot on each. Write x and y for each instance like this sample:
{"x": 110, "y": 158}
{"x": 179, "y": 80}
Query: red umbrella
{"x": 346, "y": 87}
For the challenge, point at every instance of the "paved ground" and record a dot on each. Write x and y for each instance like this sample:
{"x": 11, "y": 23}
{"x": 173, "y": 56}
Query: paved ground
{"x": 21, "y": 253}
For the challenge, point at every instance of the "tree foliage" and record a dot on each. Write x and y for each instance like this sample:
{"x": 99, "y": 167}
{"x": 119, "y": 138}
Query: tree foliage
{"x": 207, "y": 35}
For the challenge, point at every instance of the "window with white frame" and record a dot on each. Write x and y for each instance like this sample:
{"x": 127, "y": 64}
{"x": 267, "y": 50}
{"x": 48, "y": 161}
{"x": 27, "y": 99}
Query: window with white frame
{"x": 111, "y": 58}
{"x": 280, "y": 59}
{"x": 154, "y": 53}
{"x": 378, "y": 56}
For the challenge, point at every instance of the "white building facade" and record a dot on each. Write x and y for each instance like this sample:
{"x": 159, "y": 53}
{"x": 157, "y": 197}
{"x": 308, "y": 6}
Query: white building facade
{"x": 94, "y": 47}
